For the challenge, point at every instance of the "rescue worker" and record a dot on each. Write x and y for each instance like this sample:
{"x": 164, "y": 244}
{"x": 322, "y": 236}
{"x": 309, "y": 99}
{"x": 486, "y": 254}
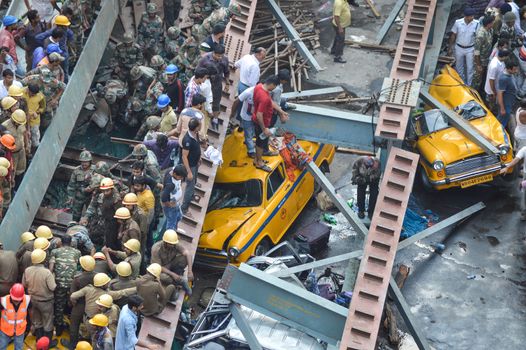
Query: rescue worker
{"x": 78, "y": 184}
{"x": 23, "y": 254}
{"x": 63, "y": 264}
{"x": 13, "y": 321}
{"x": 110, "y": 310}
{"x": 168, "y": 116}
{"x": 102, "y": 338}
{"x": 80, "y": 238}
{"x": 40, "y": 284}
{"x": 115, "y": 92}
{"x": 152, "y": 125}
{"x": 4, "y": 188}
{"x": 123, "y": 280}
{"x": 126, "y": 55}
{"x": 173, "y": 42}
{"x": 199, "y": 9}
{"x": 80, "y": 280}
{"x": 139, "y": 216}
{"x": 83, "y": 345}
{"x": 174, "y": 88}
{"x": 174, "y": 259}
{"x": 8, "y": 270}
{"x": 366, "y": 171}
{"x": 44, "y": 231}
{"x": 92, "y": 292}
{"x": 145, "y": 198}
{"x": 221, "y": 15}
{"x": 100, "y": 263}
{"x": 99, "y": 215}
{"x": 102, "y": 170}
{"x": 150, "y": 289}
{"x": 131, "y": 255}
{"x": 151, "y": 31}
{"x": 42, "y": 243}
{"x": 128, "y": 228}
{"x": 16, "y": 127}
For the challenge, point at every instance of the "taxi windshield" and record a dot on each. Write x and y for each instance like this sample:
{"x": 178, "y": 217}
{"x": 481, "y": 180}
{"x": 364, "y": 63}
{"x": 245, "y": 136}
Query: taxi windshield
{"x": 236, "y": 194}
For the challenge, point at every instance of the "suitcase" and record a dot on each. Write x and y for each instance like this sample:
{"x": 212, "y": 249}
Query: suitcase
{"x": 312, "y": 238}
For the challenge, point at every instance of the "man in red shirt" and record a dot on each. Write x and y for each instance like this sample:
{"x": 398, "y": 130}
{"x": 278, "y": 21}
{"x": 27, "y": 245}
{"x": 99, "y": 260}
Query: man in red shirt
{"x": 7, "y": 38}
{"x": 262, "y": 117}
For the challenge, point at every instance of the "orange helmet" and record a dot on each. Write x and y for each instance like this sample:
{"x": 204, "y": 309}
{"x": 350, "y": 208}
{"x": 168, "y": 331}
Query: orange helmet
{"x": 8, "y": 141}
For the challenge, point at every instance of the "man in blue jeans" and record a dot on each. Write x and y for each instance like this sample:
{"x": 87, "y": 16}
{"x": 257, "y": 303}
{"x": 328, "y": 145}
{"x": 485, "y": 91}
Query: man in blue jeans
{"x": 246, "y": 98}
{"x": 507, "y": 91}
{"x": 190, "y": 158}
{"x": 172, "y": 195}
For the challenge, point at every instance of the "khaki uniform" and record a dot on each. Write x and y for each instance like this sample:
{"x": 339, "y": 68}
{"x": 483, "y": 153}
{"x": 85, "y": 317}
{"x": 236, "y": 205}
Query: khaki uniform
{"x": 141, "y": 218}
{"x": 102, "y": 224}
{"x": 80, "y": 281}
{"x": 128, "y": 230}
{"x": 134, "y": 260}
{"x": 23, "y": 256}
{"x": 120, "y": 283}
{"x": 170, "y": 257}
{"x": 91, "y": 293}
{"x": 101, "y": 266}
{"x": 154, "y": 295}
{"x": 40, "y": 284}
{"x": 8, "y": 271}
{"x": 19, "y": 154}
{"x": 113, "y": 315}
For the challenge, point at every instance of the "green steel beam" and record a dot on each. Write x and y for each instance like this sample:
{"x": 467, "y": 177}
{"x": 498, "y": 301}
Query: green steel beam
{"x": 39, "y": 174}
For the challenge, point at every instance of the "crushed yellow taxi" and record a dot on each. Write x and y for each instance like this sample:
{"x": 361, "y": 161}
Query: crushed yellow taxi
{"x": 448, "y": 158}
{"x": 249, "y": 209}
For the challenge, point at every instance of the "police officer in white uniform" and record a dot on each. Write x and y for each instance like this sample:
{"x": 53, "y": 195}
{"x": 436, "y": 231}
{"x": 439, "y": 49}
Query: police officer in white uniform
{"x": 462, "y": 40}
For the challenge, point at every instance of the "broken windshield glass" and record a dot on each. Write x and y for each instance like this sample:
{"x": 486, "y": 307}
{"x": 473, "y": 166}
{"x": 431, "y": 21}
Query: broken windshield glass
{"x": 236, "y": 195}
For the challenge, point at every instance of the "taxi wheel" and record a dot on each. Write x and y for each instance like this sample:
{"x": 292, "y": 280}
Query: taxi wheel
{"x": 263, "y": 247}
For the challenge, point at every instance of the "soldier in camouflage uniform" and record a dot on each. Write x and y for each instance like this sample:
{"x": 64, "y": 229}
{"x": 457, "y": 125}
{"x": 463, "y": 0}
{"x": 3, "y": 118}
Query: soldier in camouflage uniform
{"x": 78, "y": 193}
{"x": 76, "y": 20}
{"x": 151, "y": 32}
{"x": 99, "y": 215}
{"x": 221, "y": 15}
{"x": 80, "y": 238}
{"x": 114, "y": 92}
{"x": 63, "y": 264}
{"x": 145, "y": 90}
{"x": 151, "y": 165}
{"x": 483, "y": 48}
{"x": 52, "y": 89}
{"x": 201, "y": 9}
{"x": 187, "y": 58}
{"x": 173, "y": 42}
{"x": 126, "y": 55}
{"x": 102, "y": 170}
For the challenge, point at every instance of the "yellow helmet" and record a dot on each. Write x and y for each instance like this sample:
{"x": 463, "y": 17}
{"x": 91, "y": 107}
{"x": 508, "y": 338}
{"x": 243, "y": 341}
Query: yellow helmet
{"x": 43, "y": 231}
{"x": 122, "y": 213}
{"x": 133, "y": 244}
{"x": 87, "y": 263}
{"x": 105, "y": 300}
{"x": 99, "y": 256}
{"x": 61, "y": 20}
{"x": 155, "y": 269}
{"x": 26, "y": 237}
{"x": 106, "y": 183}
{"x": 130, "y": 199}
{"x": 8, "y": 102}
{"x": 83, "y": 345}
{"x": 3, "y": 171}
{"x": 15, "y": 91}
{"x": 19, "y": 117}
{"x": 170, "y": 237}
{"x": 4, "y": 162}
{"x": 101, "y": 279}
{"x": 100, "y": 320}
{"x": 124, "y": 269}
{"x": 38, "y": 256}
{"x": 41, "y": 243}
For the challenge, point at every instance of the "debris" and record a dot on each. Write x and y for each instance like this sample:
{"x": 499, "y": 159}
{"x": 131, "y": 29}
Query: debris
{"x": 373, "y": 8}
{"x": 471, "y": 277}
{"x": 329, "y": 218}
{"x": 312, "y": 238}
{"x": 401, "y": 275}
{"x": 439, "y": 247}
{"x": 390, "y": 325}
{"x": 323, "y": 201}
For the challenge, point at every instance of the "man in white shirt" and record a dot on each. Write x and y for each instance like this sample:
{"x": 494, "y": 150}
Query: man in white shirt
{"x": 495, "y": 68}
{"x": 249, "y": 71}
{"x": 462, "y": 39}
{"x": 206, "y": 91}
{"x": 246, "y": 99}
{"x": 518, "y": 157}
{"x": 8, "y": 80}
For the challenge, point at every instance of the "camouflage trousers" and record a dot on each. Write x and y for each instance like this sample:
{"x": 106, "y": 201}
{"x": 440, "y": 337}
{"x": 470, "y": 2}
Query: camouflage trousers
{"x": 61, "y": 303}
{"x": 479, "y": 78}
{"x": 78, "y": 204}
{"x": 78, "y": 41}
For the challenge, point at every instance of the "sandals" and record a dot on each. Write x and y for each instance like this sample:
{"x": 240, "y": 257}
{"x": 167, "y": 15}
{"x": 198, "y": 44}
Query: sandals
{"x": 263, "y": 167}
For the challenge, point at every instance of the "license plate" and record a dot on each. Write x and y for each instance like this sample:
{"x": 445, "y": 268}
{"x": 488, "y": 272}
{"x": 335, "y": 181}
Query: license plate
{"x": 476, "y": 181}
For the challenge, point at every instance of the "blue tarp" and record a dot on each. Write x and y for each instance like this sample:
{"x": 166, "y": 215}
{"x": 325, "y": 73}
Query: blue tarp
{"x": 416, "y": 219}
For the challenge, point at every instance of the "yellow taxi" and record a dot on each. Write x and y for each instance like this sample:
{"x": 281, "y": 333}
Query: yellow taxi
{"x": 250, "y": 210}
{"x": 448, "y": 158}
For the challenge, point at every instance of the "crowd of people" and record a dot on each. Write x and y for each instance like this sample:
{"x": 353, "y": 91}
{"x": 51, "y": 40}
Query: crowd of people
{"x": 106, "y": 272}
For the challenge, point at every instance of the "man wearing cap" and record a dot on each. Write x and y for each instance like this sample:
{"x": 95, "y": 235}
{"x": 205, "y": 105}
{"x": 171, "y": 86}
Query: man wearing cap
{"x": 168, "y": 116}
{"x": 80, "y": 238}
{"x": 173, "y": 42}
{"x": 13, "y": 321}
{"x": 124, "y": 279}
{"x": 61, "y": 22}
{"x": 221, "y": 15}
{"x": 366, "y": 171}
{"x": 23, "y": 254}
{"x": 151, "y": 31}
{"x": 483, "y": 47}
{"x": 78, "y": 196}
{"x": 174, "y": 88}
{"x": 126, "y": 55}
{"x": 7, "y": 39}
{"x": 150, "y": 289}
{"x": 110, "y": 310}
{"x": 462, "y": 40}
{"x": 40, "y": 284}
{"x": 8, "y": 270}
{"x": 495, "y": 69}
{"x": 52, "y": 62}
{"x": 174, "y": 259}
{"x": 201, "y": 9}
{"x": 188, "y": 55}
{"x": 128, "y": 228}
{"x": 508, "y": 30}
{"x": 16, "y": 125}
{"x": 63, "y": 264}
